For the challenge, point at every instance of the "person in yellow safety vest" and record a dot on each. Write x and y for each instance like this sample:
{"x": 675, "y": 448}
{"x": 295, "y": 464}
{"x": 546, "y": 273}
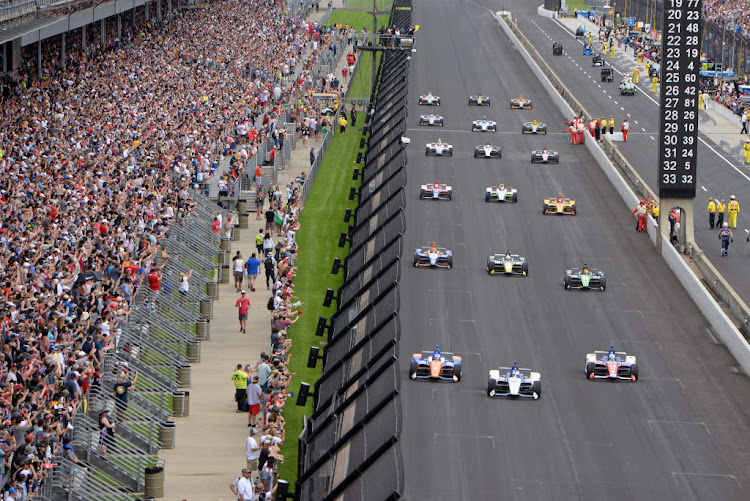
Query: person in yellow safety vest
{"x": 700, "y": 100}
{"x": 734, "y": 209}
{"x": 720, "y": 208}
{"x": 648, "y": 67}
{"x": 655, "y": 210}
{"x": 746, "y": 150}
{"x": 711, "y": 212}
{"x": 611, "y": 124}
{"x": 636, "y": 74}
{"x": 654, "y": 82}
{"x": 589, "y": 38}
{"x": 612, "y": 51}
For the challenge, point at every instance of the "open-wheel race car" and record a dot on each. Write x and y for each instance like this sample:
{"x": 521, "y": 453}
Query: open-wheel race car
{"x": 438, "y": 149}
{"x": 436, "y": 365}
{"x": 433, "y": 257}
{"x": 431, "y": 119}
{"x": 606, "y": 74}
{"x": 507, "y": 264}
{"x": 587, "y": 50}
{"x": 430, "y": 99}
{"x": 580, "y": 31}
{"x": 514, "y": 382}
{"x": 483, "y": 125}
{"x": 611, "y": 365}
{"x": 500, "y": 193}
{"x": 436, "y": 191}
{"x": 584, "y": 278}
{"x": 487, "y": 151}
{"x": 534, "y": 127}
{"x": 627, "y": 87}
{"x": 557, "y": 48}
{"x": 545, "y": 156}
{"x": 520, "y": 103}
{"x": 560, "y": 205}
{"x": 479, "y": 100}
{"x": 597, "y": 60}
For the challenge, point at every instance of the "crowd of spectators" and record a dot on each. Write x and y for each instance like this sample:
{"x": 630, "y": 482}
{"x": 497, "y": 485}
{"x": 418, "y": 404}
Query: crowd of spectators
{"x": 97, "y": 156}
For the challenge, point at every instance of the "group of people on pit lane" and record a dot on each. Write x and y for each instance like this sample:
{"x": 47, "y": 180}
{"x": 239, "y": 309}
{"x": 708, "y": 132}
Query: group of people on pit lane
{"x": 725, "y": 228}
{"x": 597, "y": 128}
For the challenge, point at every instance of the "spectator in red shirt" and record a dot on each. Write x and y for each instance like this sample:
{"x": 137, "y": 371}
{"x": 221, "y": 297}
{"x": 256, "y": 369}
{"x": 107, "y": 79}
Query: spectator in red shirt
{"x": 154, "y": 279}
{"x": 243, "y": 303}
{"x": 216, "y": 226}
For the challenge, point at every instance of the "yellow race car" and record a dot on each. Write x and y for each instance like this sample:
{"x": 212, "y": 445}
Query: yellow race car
{"x": 520, "y": 103}
{"x": 559, "y": 205}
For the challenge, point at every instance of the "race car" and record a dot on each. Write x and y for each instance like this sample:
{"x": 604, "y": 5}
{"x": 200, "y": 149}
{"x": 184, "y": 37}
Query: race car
{"x": 557, "y": 49}
{"x": 606, "y": 74}
{"x": 520, "y": 103}
{"x": 436, "y": 191}
{"x": 429, "y": 99}
{"x": 431, "y": 119}
{"x": 439, "y": 149}
{"x": 479, "y": 100}
{"x": 587, "y": 50}
{"x": 436, "y": 365}
{"x": 560, "y": 206}
{"x": 488, "y": 151}
{"x": 611, "y": 365}
{"x": 514, "y": 382}
{"x": 597, "y": 60}
{"x": 500, "y": 194}
{"x": 534, "y": 127}
{"x": 483, "y": 125}
{"x": 627, "y": 87}
{"x": 580, "y": 32}
{"x": 507, "y": 264}
{"x": 433, "y": 257}
{"x": 545, "y": 156}
{"x": 585, "y": 278}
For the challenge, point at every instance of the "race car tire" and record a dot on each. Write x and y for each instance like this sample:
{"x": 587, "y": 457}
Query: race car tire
{"x": 536, "y": 387}
{"x": 421, "y": 194}
{"x": 574, "y": 209}
{"x": 450, "y": 194}
{"x": 457, "y": 371}
{"x": 416, "y": 260}
{"x": 449, "y": 260}
{"x": 490, "y": 267}
{"x": 476, "y": 155}
{"x": 499, "y": 153}
{"x": 525, "y": 268}
{"x": 589, "y": 369}
{"x": 544, "y": 209}
{"x": 487, "y": 197}
{"x": 441, "y": 124}
{"x": 603, "y": 283}
{"x": 634, "y": 371}
{"x": 556, "y": 160}
{"x": 413, "y": 369}
{"x": 450, "y": 153}
{"x": 491, "y": 385}
{"x": 544, "y": 130}
{"x": 427, "y": 152}
{"x": 514, "y": 198}
{"x": 566, "y": 281}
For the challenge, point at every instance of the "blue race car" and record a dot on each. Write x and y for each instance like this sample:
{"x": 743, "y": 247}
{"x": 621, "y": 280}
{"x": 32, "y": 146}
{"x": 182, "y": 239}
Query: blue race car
{"x": 433, "y": 257}
{"x": 587, "y": 50}
{"x": 436, "y": 366}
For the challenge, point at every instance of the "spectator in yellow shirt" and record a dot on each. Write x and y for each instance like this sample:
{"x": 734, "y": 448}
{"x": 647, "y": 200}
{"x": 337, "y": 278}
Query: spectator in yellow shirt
{"x": 342, "y": 124}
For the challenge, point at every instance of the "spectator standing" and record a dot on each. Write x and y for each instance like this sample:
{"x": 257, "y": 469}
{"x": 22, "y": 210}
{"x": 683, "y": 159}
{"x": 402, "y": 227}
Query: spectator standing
{"x": 354, "y": 115}
{"x": 253, "y": 401}
{"x": 743, "y": 119}
{"x": 239, "y": 377}
{"x": 259, "y": 241}
{"x": 106, "y": 431}
{"x": 243, "y": 305}
{"x": 312, "y": 156}
{"x": 121, "y": 389}
{"x": 269, "y": 264}
{"x": 184, "y": 286}
{"x": 253, "y": 266}
{"x": 245, "y": 486}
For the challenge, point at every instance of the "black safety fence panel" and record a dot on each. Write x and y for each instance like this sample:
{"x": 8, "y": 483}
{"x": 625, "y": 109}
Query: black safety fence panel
{"x": 349, "y": 447}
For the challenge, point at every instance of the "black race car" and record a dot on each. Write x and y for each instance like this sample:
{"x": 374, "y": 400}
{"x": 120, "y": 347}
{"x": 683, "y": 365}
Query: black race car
{"x": 557, "y": 49}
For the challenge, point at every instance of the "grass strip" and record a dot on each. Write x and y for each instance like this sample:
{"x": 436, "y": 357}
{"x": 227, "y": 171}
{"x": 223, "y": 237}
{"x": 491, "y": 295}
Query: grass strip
{"x": 322, "y": 222}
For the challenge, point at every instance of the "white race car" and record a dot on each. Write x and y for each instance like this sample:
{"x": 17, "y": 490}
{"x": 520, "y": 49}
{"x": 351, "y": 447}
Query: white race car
{"x": 431, "y": 119}
{"x": 500, "y": 193}
{"x": 439, "y": 149}
{"x": 514, "y": 382}
{"x": 429, "y": 99}
{"x": 484, "y": 125}
{"x": 487, "y": 151}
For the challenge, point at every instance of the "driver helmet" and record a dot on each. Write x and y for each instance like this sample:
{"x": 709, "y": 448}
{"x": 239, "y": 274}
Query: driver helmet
{"x": 433, "y": 248}
{"x": 533, "y": 122}
{"x": 436, "y": 353}
{"x": 732, "y": 196}
{"x": 559, "y": 197}
{"x": 726, "y": 225}
{"x": 502, "y": 186}
{"x": 507, "y": 253}
{"x": 484, "y": 119}
{"x": 436, "y": 185}
{"x": 611, "y": 356}
{"x": 514, "y": 369}
{"x": 585, "y": 268}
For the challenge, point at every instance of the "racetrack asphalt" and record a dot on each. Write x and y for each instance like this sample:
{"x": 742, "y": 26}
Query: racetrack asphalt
{"x": 680, "y": 432}
{"x": 721, "y": 172}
